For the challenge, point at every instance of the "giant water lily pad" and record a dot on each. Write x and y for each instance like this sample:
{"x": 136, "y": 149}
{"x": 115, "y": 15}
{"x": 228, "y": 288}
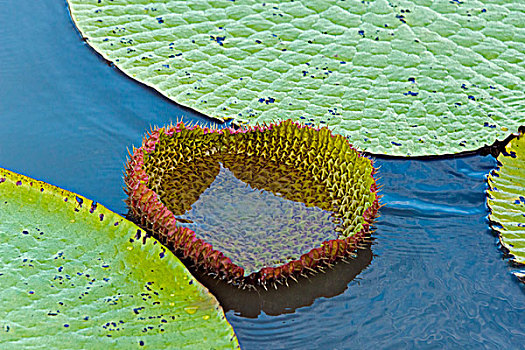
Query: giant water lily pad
{"x": 397, "y": 77}
{"x": 75, "y": 275}
{"x": 254, "y": 205}
{"x": 506, "y": 198}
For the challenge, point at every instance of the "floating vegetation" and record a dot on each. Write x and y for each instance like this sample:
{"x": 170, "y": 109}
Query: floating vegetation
{"x": 506, "y": 200}
{"x": 403, "y": 78}
{"x": 75, "y": 275}
{"x": 257, "y": 205}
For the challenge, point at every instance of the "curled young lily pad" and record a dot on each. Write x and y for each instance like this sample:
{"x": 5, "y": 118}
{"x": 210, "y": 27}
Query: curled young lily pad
{"x": 255, "y": 205}
{"x": 506, "y": 199}
{"x": 75, "y": 275}
{"x": 406, "y": 78}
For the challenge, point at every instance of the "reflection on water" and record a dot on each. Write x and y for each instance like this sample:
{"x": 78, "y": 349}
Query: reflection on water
{"x": 287, "y": 299}
{"x": 256, "y": 228}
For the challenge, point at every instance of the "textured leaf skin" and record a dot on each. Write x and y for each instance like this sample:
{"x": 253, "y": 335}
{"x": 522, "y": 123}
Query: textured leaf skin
{"x": 401, "y": 78}
{"x": 75, "y": 276}
{"x": 332, "y": 175}
{"x": 506, "y": 198}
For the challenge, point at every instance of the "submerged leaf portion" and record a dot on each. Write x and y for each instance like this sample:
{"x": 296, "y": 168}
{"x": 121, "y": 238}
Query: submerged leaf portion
{"x": 75, "y": 275}
{"x": 255, "y": 205}
{"x": 397, "y": 77}
{"x": 506, "y": 198}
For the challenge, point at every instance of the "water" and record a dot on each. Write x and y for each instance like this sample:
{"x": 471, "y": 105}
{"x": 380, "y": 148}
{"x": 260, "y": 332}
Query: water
{"x": 240, "y": 220}
{"x": 437, "y": 278}
{"x": 67, "y": 117}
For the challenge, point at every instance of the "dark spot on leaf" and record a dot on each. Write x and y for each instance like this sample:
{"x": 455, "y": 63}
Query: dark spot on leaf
{"x": 512, "y": 154}
{"x": 218, "y": 39}
{"x": 267, "y": 101}
{"x": 401, "y": 18}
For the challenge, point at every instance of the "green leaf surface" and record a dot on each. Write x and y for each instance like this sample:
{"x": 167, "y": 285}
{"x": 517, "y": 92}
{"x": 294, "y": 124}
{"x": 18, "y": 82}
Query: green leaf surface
{"x": 506, "y": 198}
{"x": 75, "y": 275}
{"x": 403, "y": 78}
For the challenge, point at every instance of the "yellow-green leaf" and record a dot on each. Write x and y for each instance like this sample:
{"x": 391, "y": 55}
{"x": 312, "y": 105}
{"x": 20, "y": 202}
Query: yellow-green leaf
{"x": 75, "y": 275}
{"x": 506, "y": 198}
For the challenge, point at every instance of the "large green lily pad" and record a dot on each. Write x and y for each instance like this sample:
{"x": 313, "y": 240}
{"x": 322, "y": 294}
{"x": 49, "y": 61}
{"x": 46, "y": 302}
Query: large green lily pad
{"x": 506, "y": 198}
{"x": 75, "y": 275}
{"x": 397, "y": 77}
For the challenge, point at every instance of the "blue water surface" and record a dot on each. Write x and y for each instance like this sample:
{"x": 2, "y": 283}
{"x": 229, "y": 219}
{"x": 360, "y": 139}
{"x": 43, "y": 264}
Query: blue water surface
{"x": 437, "y": 279}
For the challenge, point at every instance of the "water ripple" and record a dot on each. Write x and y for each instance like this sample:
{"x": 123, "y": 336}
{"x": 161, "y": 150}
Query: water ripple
{"x": 437, "y": 280}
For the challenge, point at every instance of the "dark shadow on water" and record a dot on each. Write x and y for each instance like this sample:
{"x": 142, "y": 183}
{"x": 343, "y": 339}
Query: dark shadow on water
{"x": 286, "y": 299}
{"x": 494, "y": 150}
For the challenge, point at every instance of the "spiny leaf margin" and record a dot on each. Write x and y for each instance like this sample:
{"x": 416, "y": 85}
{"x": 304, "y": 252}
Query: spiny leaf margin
{"x": 147, "y": 207}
